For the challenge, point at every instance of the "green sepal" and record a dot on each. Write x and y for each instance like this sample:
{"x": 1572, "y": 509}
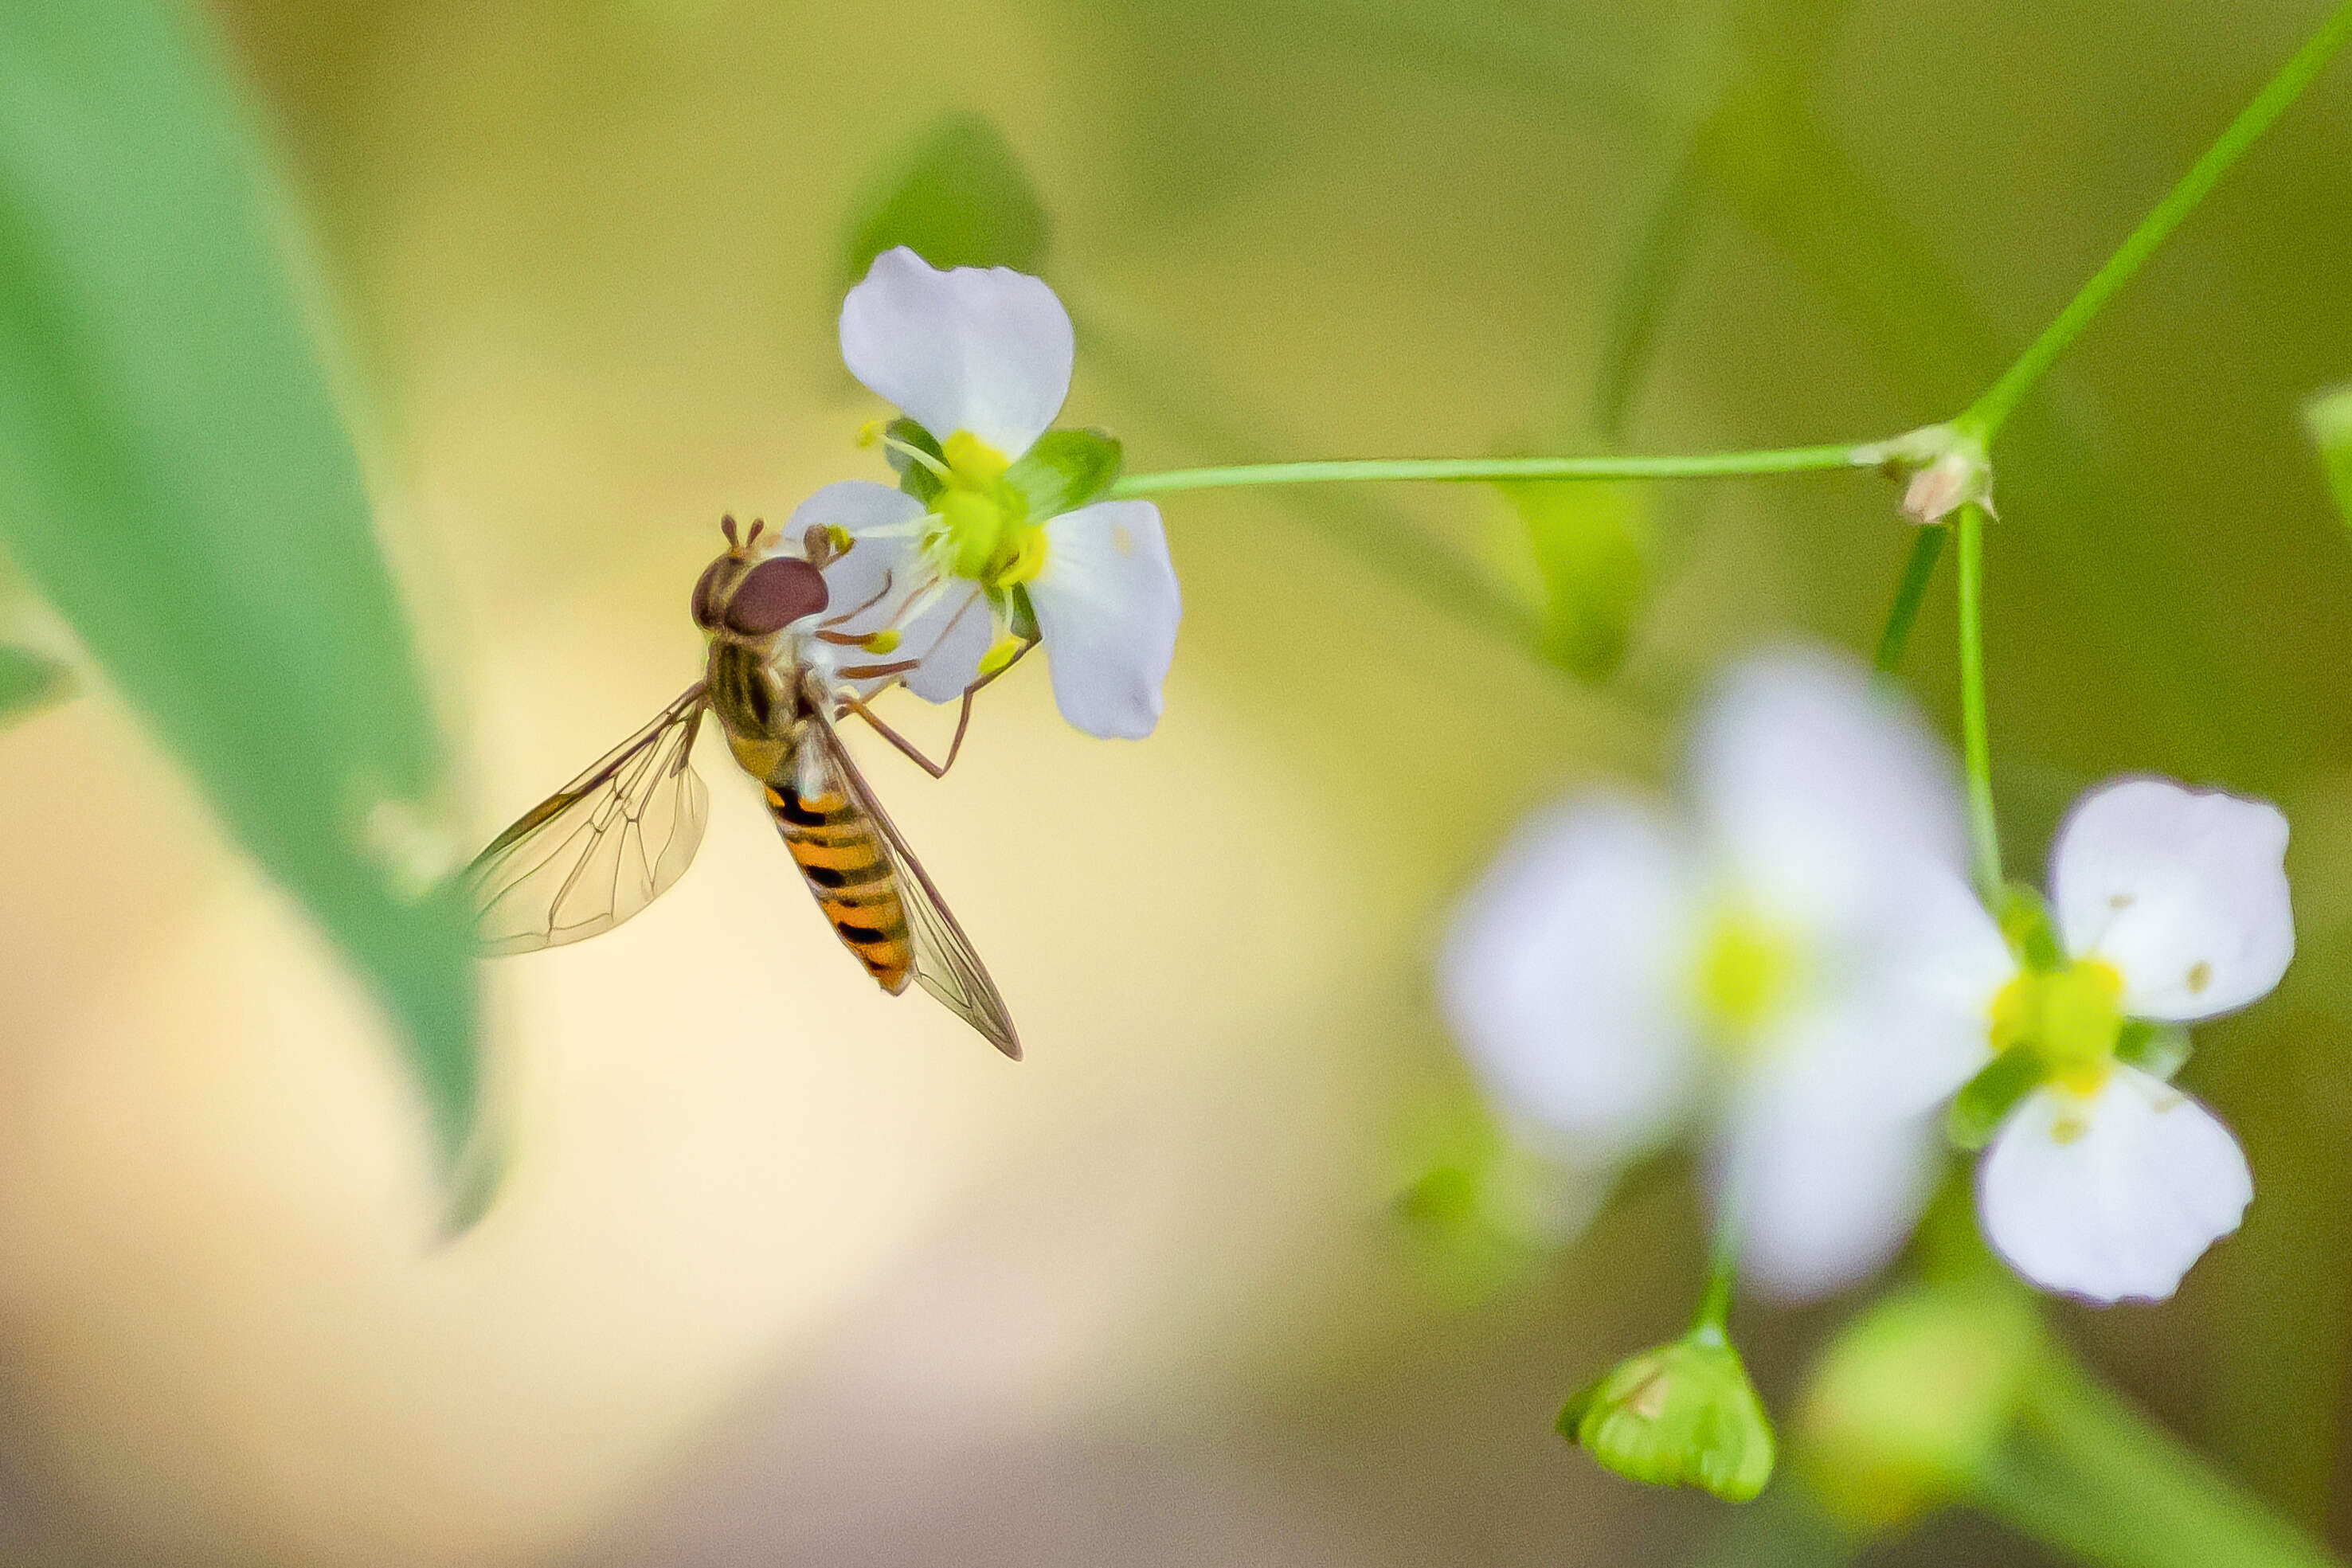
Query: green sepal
{"x": 1064, "y": 471}
{"x": 31, "y": 681}
{"x": 2327, "y": 419}
{"x": 2160, "y": 1049}
{"x": 1684, "y": 1414}
{"x": 957, "y": 196}
{"x": 1978, "y": 1111}
{"x": 1020, "y": 615}
{"x": 2026, "y": 927}
{"x": 1593, "y": 545}
{"x": 918, "y": 479}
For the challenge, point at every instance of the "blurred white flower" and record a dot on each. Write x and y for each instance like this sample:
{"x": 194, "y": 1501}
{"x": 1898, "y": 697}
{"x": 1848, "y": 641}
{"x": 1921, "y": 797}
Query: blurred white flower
{"x": 979, "y": 359}
{"x": 2168, "y": 905}
{"x": 1796, "y": 955}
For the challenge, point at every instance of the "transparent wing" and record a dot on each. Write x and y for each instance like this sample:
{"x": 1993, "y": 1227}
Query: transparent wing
{"x": 945, "y": 964}
{"x": 600, "y": 848}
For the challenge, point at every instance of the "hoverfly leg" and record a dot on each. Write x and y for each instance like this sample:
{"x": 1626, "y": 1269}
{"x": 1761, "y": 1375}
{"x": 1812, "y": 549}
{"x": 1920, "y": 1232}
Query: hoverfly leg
{"x": 851, "y": 704}
{"x": 906, "y": 748}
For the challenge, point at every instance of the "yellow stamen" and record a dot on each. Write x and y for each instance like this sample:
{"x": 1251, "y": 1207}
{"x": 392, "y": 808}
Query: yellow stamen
{"x": 1005, "y": 650}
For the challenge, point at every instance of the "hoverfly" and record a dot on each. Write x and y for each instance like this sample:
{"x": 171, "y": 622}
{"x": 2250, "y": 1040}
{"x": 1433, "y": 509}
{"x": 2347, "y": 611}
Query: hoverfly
{"x": 609, "y": 842}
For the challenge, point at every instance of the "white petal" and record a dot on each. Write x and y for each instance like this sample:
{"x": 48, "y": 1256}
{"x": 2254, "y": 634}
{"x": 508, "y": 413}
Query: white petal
{"x": 1826, "y": 1198}
{"x": 1812, "y": 783}
{"x": 986, "y": 350}
{"x": 1107, "y": 606}
{"x": 2114, "y": 1196}
{"x": 1561, "y": 974}
{"x": 883, "y": 525}
{"x": 950, "y": 635}
{"x": 2183, "y": 891}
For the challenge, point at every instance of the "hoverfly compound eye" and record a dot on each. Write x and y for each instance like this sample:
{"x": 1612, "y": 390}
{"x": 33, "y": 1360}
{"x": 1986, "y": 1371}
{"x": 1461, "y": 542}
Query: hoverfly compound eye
{"x": 704, "y": 586}
{"x": 774, "y": 594}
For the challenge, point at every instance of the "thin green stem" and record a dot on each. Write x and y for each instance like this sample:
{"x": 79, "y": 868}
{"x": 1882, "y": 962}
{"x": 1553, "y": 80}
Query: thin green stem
{"x": 1714, "y": 1312}
{"x": 1919, "y": 572}
{"x": 2086, "y": 1473}
{"x": 1989, "y": 412}
{"x": 1699, "y": 466}
{"x": 1984, "y": 834}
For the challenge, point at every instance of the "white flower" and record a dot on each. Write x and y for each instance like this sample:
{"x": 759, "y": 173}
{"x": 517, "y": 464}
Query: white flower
{"x": 981, "y": 360}
{"x": 1799, "y": 956}
{"x": 2168, "y": 905}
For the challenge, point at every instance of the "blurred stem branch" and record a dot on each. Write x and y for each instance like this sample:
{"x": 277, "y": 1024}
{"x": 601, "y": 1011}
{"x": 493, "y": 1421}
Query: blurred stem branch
{"x": 1988, "y": 414}
{"x": 1696, "y": 465}
{"x": 1919, "y": 572}
{"x": 2085, "y": 1472}
{"x": 1642, "y": 294}
{"x": 1984, "y": 834}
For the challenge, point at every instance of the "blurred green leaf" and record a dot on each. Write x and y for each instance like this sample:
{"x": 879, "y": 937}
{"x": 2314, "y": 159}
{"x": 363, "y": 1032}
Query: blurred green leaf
{"x": 957, "y": 197}
{"x": 176, "y": 481}
{"x": 1592, "y": 549}
{"x": 30, "y": 682}
{"x": 2328, "y": 419}
{"x": 1064, "y": 470}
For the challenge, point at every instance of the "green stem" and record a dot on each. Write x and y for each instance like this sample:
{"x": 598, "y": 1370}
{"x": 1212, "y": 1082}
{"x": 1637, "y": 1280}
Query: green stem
{"x": 1984, "y": 834}
{"x": 1986, "y": 415}
{"x": 2086, "y": 1473}
{"x": 1722, "y": 1264}
{"x": 1699, "y": 466}
{"x": 1919, "y": 571}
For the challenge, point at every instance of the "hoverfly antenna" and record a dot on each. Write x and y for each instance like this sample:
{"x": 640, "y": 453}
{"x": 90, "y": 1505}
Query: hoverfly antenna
{"x": 727, "y": 527}
{"x": 754, "y": 536}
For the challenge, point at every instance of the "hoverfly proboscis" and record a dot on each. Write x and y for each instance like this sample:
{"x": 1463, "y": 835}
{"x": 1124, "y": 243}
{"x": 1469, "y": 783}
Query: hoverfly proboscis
{"x": 612, "y": 841}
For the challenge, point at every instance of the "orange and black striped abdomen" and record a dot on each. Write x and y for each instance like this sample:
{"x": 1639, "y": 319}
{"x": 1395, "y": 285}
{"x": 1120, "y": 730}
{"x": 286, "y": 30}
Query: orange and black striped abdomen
{"x": 840, "y": 854}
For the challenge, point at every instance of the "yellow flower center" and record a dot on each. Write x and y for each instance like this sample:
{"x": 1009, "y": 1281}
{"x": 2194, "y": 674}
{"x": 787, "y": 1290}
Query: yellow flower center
{"x": 2071, "y": 1017}
{"x": 1745, "y": 971}
{"x": 981, "y": 527}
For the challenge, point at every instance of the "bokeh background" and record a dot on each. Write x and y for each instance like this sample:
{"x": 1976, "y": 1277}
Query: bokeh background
{"x": 785, "y": 1271}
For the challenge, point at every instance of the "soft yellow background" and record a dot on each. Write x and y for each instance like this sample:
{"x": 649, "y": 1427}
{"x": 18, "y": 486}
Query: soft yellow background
{"x": 787, "y": 1270}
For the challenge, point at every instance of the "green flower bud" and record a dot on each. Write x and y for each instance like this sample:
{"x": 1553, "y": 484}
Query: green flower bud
{"x": 1681, "y": 1415}
{"x": 1912, "y": 1396}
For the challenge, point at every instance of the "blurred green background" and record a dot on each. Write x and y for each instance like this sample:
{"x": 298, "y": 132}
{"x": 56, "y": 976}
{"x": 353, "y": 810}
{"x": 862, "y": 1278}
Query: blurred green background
{"x": 784, "y": 1272}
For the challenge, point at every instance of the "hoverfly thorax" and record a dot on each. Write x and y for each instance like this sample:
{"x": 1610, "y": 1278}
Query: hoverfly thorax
{"x": 743, "y": 597}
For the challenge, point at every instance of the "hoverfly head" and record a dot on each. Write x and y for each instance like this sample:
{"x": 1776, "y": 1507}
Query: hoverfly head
{"x": 740, "y": 593}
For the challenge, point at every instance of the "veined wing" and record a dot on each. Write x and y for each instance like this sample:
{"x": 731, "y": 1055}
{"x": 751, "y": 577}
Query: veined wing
{"x": 945, "y": 964}
{"x": 600, "y": 848}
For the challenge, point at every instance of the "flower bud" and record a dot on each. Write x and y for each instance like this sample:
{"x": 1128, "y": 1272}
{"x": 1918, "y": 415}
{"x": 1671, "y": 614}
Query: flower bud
{"x": 1947, "y": 469}
{"x": 1681, "y": 1415}
{"x": 1911, "y": 1399}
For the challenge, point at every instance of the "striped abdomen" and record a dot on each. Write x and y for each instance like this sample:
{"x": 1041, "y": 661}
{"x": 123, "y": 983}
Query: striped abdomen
{"x": 840, "y": 854}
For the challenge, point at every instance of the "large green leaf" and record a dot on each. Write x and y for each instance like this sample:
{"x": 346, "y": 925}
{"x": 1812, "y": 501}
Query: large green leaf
{"x": 176, "y": 481}
{"x": 957, "y": 197}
